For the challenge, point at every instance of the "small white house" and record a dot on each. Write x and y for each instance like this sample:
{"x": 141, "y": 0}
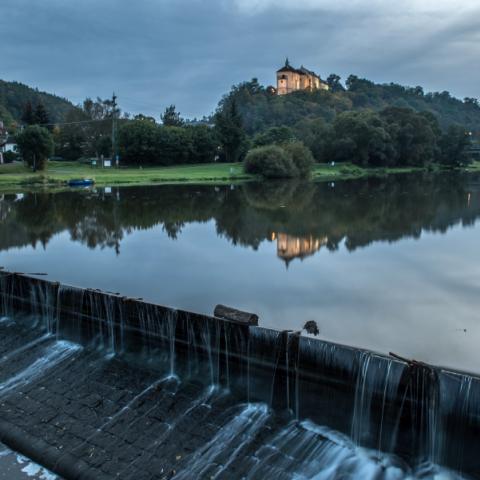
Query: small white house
{"x": 10, "y": 146}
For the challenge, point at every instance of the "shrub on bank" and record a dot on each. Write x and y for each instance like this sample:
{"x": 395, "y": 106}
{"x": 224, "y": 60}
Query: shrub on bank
{"x": 273, "y": 161}
{"x": 301, "y": 157}
{"x": 9, "y": 157}
{"x": 270, "y": 161}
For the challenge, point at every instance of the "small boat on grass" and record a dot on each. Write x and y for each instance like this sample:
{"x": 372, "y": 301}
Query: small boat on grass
{"x": 81, "y": 182}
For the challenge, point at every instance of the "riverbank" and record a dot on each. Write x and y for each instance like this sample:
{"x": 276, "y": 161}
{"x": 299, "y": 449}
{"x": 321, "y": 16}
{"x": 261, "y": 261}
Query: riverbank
{"x": 57, "y": 175}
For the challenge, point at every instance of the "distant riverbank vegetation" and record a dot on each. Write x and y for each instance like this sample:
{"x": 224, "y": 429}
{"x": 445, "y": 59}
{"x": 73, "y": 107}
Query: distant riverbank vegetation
{"x": 362, "y": 124}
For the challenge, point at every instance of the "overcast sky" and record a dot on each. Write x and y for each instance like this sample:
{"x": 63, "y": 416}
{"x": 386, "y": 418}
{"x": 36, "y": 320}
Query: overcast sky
{"x": 189, "y": 52}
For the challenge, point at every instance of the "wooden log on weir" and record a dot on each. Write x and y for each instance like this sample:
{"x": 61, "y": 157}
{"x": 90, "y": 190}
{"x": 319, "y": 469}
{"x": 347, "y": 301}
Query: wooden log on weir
{"x": 229, "y": 313}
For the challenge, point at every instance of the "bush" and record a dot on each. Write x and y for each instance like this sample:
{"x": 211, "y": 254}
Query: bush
{"x": 270, "y": 162}
{"x": 9, "y": 157}
{"x": 301, "y": 157}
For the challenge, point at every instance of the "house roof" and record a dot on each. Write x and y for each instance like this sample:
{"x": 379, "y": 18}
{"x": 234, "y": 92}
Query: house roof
{"x": 300, "y": 71}
{"x": 306, "y": 71}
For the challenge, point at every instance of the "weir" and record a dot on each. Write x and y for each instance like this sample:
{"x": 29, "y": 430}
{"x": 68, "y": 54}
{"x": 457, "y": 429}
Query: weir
{"x": 234, "y": 399}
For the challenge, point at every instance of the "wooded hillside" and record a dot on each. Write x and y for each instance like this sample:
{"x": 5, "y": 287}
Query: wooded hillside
{"x": 261, "y": 109}
{"x": 14, "y": 96}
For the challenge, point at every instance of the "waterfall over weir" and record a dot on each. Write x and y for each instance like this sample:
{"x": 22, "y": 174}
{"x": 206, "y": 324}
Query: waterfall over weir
{"x": 158, "y": 390}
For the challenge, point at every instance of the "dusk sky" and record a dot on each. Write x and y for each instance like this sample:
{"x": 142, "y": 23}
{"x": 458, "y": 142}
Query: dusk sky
{"x": 190, "y": 52}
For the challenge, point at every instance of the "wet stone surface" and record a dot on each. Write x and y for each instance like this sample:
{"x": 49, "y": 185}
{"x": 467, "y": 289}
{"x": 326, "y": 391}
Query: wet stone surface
{"x": 17, "y": 467}
{"x": 123, "y": 421}
{"x": 111, "y": 417}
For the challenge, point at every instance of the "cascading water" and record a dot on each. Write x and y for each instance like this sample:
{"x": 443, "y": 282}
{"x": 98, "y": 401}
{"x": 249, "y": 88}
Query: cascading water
{"x": 377, "y": 384}
{"x": 42, "y": 299}
{"x": 6, "y": 289}
{"x": 228, "y": 444}
{"x": 304, "y": 450}
{"x": 314, "y": 410}
{"x": 458, "y": 417}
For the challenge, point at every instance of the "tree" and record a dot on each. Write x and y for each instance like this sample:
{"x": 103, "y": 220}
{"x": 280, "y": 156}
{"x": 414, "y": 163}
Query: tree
{"x": 473, "y": 102}
{"x": 454, "y": 147}
{"x": 229, "y": 127}
{"x": 28, "y": 117}
{"x": 316, "y": 134}
{"x": 140, "y": 116}
{"x": 69, "y": 142}
{"x": 138, "y": 142}
{"x": 415, "y": 135}
{"x": 71, "y": 139}
{"x": 274, "y": 136}
{"x": 103, "y": 145}
{"x": 174, "y": 145}
{"x": 204, "y": 144}
{"x": 418, "y": 91}
{"x": 99, "y": 109}
{"x": 99, "y": 130}
{"x": 171, "y": 118}
{"x": 35, "y": 145}
{"x": 333, "y": 81}
{"x": 41, "y": 115}
{"x": 362, "y": 138}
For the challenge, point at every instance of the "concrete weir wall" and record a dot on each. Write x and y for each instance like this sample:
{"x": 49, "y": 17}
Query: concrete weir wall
{"x": 420, "y": 413}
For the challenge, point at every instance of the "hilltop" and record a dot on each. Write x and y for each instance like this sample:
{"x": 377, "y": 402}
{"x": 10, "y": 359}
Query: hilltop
{"x": 14, "y": 96}
{"x": 261, "y": 108}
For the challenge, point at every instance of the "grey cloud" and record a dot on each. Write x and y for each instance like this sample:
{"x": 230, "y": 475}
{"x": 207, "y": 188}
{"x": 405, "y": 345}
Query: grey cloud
{"x": 189, "y": 52}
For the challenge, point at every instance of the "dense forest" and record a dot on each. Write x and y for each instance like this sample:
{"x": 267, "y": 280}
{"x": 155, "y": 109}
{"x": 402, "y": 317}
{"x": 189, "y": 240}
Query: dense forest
{"x": 261, "y": 109}
{"x": 15, "y": 96}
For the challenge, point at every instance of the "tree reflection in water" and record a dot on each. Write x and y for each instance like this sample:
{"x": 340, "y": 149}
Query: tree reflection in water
{"x": 301, "y": 218}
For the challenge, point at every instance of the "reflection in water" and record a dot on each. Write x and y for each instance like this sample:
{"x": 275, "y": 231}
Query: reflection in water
{"x": 301, "y": 218}
{"x": 379, "y": 269}
{"x": 290, "y": 247}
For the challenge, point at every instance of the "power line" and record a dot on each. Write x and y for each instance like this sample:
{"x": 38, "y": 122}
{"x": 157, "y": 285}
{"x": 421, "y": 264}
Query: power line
{"x": 73, "y": 123}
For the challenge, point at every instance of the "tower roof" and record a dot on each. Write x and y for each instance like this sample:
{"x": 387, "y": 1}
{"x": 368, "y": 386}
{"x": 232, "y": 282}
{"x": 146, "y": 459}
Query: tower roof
{"x": 287, "y": 67}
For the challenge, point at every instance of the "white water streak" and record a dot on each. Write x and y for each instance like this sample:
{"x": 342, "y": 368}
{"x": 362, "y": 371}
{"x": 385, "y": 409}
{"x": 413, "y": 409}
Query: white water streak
{"x": 233, "y": 437}
{"x": 54, "y": 355}
{"x": 306, "y": 451}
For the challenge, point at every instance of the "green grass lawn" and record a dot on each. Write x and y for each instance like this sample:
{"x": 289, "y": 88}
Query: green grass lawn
{"x": 57, "y": 174}
{"x": 474, "y": 167}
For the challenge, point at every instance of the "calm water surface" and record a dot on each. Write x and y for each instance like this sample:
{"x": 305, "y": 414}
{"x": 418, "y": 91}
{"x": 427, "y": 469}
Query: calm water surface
{"x": 391, "y": 265}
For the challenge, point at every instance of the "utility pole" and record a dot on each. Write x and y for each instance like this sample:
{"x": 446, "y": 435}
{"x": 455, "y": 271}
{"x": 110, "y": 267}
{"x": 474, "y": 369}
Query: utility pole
{"x": 114, "y": 128}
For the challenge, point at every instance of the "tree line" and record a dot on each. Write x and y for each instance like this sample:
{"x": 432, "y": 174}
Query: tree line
{"x": 279, "y": 136}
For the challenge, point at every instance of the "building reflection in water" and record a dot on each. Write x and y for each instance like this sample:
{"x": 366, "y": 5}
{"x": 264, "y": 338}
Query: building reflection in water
{"x": 290, "y": 247}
